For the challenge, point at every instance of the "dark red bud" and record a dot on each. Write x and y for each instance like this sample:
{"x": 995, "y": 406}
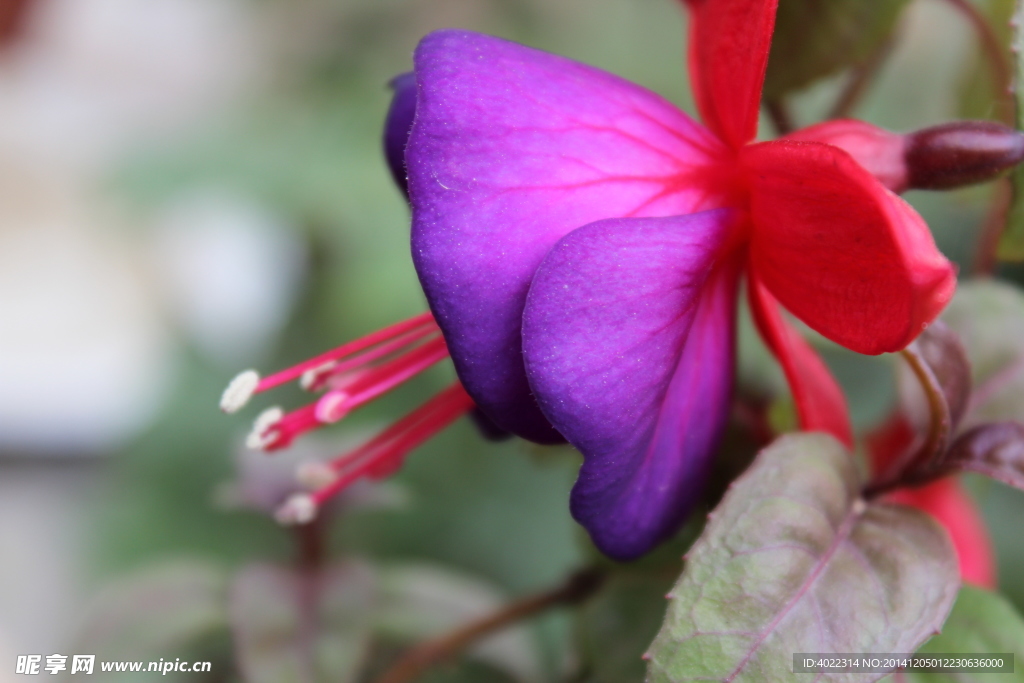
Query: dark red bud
{"x": 961, "y": 153}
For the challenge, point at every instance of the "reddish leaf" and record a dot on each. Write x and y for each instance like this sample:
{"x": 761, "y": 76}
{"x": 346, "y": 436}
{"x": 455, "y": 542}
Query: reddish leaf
{"x": 793, "y": 560}
{"x": 995, "y": 450}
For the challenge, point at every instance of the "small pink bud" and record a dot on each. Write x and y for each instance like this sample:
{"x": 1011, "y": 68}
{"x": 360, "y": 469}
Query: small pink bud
{"x": 961, "y": 153}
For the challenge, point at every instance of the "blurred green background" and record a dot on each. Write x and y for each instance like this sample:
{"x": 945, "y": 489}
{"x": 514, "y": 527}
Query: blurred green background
{"x": 192, "y": 187}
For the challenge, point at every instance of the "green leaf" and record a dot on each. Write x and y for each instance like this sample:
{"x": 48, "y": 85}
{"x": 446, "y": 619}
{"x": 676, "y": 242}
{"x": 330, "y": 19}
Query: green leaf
{"x": 980, "y": 622}
{"x": 417, "y": 602}
{"x": 989, "y": 318}
{"x": 793, "y": 560}
{"x": 614, "y": 628}
{"x": 302, "y": 626}
{"x": 1011, "y": 243}
{"x": 156, "y": 612}
{"x": 817, "y": 38}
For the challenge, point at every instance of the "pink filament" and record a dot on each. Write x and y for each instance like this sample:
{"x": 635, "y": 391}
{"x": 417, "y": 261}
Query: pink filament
{"x": 284, "y": 431}
{"x": 356, "y": 361}
{"x": 384, "y": 453}
{"x": 355, "y": 380}
{"x": 386, "y": 377}
{"x": 424, "y": 320}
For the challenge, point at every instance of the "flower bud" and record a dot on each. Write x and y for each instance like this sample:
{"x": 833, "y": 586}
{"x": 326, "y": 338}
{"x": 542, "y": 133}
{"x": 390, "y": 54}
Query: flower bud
{"x": 961, "y": 153}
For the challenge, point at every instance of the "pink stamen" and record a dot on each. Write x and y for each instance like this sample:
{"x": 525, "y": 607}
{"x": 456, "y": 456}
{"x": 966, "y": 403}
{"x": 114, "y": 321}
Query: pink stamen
{"x": 281, "y": 433}
{"x": 424, "y": 320}
{"x": 385, "y": 452}
{"x": 354, "y": 381}
{"x": 331, "y": 372}
{"x": 338, "y": 403}
{"x": 354, "y": 374}
{"x": 399, "y": 449}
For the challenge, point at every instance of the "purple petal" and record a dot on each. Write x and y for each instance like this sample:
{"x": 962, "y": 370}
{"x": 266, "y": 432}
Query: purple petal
{"x": 397, "y": 126}
{"x": 486, "y": 427}
{"x": 396, "y": 135}
{"x": 512, "y": 149}
{"x": 628, "y": 336}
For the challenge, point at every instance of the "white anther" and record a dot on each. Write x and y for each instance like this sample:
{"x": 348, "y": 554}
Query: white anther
{"x": 261, "y": 435}
{"x": 315, "y": 475}
{"x": 239, "y": 391}
{"x": 258, "y": 441}
{"x": 311, "y": 377}
{"x": 331, "y": 407}
{"x": 298, "y": 509}
{"x": 268, "y": 418}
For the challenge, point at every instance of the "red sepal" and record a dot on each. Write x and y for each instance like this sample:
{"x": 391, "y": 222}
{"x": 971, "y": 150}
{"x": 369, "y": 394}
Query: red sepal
{"x": 880, "y": 152}
{"x": 820, "y": 403}
{"x": 947, "y": 501}
{"x": 729, "y": 44}
{"x": 839, "y": 251}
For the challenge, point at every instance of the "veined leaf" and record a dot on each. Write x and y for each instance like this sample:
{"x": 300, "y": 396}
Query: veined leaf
{"x": 995, "y": 450}
{"x": 793, "y": 560}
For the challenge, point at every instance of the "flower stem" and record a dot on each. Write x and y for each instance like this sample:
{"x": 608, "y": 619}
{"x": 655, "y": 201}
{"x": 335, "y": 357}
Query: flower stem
{"x": 310, "y": 550}
{"x": 309, "y": 561}
{"x": 993, "y": 49}
{"x": 577, "y": 588}
{"x": 916, "y": 466}
{"x": 992, "y": 229}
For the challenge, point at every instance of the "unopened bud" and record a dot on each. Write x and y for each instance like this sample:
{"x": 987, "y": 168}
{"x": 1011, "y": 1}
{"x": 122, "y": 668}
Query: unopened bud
{"x": 961, "y": 153}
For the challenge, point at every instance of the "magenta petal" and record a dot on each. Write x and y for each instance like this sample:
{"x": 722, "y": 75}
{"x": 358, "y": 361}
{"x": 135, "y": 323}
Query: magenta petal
{"x": 628, "y": 336}
{"x": 397, "y": 126}
{"x": 512, "y": 149}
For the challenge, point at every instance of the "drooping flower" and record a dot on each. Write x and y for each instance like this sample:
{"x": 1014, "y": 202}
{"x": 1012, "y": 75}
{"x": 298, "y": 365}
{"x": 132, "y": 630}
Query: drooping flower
{"x": 580, "y": 241}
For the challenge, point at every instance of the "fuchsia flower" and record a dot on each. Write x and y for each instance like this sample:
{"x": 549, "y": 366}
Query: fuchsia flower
{"x": 581, "y": 242}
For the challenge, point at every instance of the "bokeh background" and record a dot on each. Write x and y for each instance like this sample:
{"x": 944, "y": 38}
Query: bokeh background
{"x": 192, "y": 187}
